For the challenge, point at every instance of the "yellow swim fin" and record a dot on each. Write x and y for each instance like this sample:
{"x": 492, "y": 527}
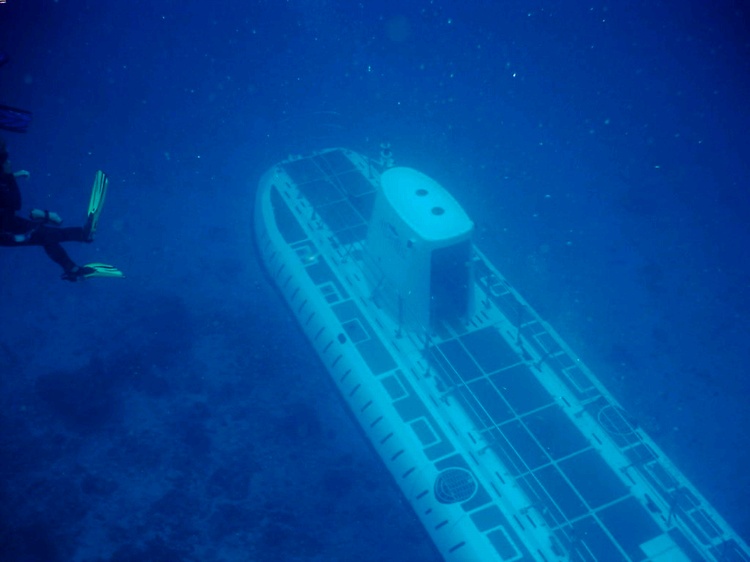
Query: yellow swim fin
{"x": 91, "y": 270}
{"x": 96, "y": 203}
{"x": 100, "y": 270}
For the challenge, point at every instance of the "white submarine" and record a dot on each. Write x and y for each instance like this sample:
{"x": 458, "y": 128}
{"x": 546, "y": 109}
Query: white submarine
{"x": 505, "y": 444}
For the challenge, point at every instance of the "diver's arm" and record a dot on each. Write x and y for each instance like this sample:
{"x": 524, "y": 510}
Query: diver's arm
{"x": 44, "y": 216}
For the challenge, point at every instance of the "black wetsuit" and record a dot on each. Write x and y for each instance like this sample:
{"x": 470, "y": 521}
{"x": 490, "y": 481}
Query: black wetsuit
{"x": 18, "y": 231}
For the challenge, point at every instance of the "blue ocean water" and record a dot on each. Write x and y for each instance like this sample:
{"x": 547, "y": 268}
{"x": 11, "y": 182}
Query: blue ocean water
{"x": 179, "y": 414}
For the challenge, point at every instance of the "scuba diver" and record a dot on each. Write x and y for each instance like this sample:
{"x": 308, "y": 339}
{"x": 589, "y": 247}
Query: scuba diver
{"x": 43, "y": 227}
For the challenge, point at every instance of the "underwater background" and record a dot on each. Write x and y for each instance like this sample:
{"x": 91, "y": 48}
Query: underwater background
{"x": 179, "y": 414}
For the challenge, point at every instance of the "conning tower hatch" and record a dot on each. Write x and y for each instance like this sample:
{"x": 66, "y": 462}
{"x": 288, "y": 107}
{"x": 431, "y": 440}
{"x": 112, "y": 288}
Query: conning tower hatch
{"x": 420, "y": 239}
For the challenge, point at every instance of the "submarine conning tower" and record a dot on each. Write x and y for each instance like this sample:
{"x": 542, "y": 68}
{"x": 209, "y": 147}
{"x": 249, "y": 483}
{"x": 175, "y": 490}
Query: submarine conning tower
{"x": 421, "y": 241}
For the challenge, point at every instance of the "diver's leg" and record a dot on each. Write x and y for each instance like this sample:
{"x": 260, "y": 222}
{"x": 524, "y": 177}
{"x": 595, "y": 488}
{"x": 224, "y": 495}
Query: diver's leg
{"x": 50, "y": 238}
{"x": 44, "y": 235}
{"x": 71, "y": 234}
{"x": 58, "y": 255}
{"x": 15, "y": 225}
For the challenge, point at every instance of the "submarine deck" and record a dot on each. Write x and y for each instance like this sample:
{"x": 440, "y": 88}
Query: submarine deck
{"x": 547, "y": 437}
